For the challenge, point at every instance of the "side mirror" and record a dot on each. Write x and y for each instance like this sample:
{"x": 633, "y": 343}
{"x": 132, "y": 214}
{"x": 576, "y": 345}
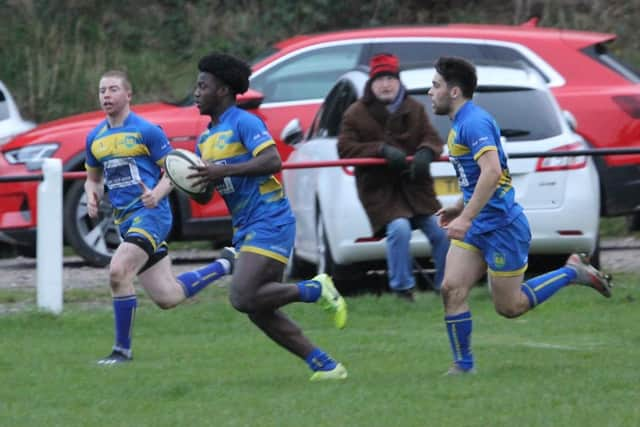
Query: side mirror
{"x": 292, "y": 133}
{"x": 250, "y": 100}
{"x": 571, "y": 119}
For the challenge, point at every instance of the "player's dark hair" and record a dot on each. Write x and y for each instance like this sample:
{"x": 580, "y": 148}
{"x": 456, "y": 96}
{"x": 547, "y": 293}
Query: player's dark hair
{"x": 458, "y": 72}
{"x": 230, "y": 70}
{"x": 122, "y": 75}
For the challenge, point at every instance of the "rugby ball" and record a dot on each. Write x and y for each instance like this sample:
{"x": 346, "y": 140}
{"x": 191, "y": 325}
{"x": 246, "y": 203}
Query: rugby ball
{"x": 177, "y": 166}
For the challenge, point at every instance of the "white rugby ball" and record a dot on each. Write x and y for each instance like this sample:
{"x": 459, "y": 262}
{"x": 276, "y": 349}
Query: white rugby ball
{"x": 177, "y": 165}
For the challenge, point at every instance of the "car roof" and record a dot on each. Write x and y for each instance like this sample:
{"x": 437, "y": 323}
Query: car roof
{"x": 513, "y": 33}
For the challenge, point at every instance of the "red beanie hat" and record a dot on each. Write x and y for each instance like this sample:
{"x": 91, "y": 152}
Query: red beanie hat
{"x": 384, "y": 64}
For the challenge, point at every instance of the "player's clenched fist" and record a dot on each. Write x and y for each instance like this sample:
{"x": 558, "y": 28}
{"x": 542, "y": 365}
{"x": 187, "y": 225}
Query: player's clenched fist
{"x": 92, "y": 204}
{"x": 149, "y": 199}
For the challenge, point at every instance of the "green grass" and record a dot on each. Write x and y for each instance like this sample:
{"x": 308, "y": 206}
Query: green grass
{"x": 572, "y": 361}
{"x": 613, "y": 227}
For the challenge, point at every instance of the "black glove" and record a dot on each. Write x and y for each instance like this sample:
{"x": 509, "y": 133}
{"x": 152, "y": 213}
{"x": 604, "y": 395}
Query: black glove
{"x": 396, "y": 158}
{"x": 420, "y": 165}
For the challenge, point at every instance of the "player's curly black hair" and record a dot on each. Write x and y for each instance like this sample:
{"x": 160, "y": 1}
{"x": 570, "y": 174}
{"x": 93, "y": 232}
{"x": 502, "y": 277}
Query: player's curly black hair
{"x": 232, "y": 71}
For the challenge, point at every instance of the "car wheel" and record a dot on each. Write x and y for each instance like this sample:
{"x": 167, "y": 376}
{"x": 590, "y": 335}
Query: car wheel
{"x": 28, "y": 251}
{"x": 633, "y": 222}
{"x": 95, "y": 240}
{"x": 595, "y": 256}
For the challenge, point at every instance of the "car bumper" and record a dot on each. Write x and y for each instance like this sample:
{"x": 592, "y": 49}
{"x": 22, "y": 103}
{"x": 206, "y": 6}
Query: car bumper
{"x": 17, "y": 200}
{"x": 19, "y": 237}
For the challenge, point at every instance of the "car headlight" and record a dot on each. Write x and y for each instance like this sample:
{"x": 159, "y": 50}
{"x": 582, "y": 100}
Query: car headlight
{"x": 32, "y": 154}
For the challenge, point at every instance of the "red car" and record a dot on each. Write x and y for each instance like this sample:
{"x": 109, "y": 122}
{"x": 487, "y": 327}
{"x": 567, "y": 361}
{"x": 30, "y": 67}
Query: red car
{"x": 291, "y": 79}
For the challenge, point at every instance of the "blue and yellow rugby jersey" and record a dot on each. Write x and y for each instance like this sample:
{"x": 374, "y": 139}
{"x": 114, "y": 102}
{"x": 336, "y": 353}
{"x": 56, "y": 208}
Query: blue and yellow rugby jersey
{"x": 236, "y": 138}
{"x": 474, "y": 132}
{"x": 128, "y": 155}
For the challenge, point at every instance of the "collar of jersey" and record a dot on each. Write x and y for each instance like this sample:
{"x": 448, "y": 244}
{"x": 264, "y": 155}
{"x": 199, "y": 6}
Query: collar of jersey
{"x": 463, "y": 111}
{"x": 223, "y": 116}
{"x": 125, "y": 122}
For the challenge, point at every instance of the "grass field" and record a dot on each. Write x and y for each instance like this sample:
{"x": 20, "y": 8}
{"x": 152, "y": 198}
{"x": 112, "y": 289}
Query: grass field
{"x": 570, "y": 362}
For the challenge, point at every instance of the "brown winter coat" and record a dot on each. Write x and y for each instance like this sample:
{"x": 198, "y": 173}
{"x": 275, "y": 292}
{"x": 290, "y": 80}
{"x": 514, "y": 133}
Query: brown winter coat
{"x": 384, "y": 193}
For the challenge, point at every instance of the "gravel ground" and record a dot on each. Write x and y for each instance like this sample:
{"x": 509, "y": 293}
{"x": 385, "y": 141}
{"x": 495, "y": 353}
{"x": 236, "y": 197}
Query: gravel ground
{"x": 20, "y": 272}
{"x": 618, "y": 255}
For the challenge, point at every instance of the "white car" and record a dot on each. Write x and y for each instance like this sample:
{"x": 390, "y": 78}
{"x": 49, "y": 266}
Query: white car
{"x": 560, "y": 195}
{"x": 11, "y": 122}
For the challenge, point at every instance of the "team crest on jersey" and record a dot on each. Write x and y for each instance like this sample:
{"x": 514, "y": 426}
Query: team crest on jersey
{"x": 220, "y": 139}
{"x": 129, "y": 141}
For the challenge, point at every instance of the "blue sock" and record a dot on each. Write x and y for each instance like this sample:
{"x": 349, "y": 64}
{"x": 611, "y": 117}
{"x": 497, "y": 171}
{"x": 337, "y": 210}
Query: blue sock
{"x": 194, "y": 281}
{"x": 540, "y": 288}
{"x": 318, "y": 360}
{"x": 124, "y": 313}
{"x": 310, "y": 290}
{"x": 459, "y": 327}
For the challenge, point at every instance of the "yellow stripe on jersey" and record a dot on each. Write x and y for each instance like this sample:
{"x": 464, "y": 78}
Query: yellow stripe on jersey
{"x": 505, "y": 182}
{"x": 272, "y": 186}
{"x": 456, "y": 149}
{"x": 218, "y": 147}
{"x": 262, "y": 146}
{"x": 505, "y": 178}
{"x": 123, "y": 144}
{"x": 484, "y": 150}
{"x": 92, "y": 168}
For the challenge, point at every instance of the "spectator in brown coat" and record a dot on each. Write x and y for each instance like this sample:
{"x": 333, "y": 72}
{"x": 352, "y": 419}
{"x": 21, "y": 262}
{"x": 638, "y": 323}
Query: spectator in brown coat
{"x": 397, "y": 197}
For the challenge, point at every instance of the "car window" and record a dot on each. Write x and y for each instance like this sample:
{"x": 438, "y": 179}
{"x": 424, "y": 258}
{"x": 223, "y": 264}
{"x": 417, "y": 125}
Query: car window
{"x": 426, "y": 53}
{"x": 4, "y": 106}
{"x": 336, "y": 103}
{"x": 309, "y": 75}
{"x": 600, "y": 52}
{"x": 523, "y": 115}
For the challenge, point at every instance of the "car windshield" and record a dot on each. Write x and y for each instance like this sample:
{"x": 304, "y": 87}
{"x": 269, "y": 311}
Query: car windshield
{"x": 522, "y": 114}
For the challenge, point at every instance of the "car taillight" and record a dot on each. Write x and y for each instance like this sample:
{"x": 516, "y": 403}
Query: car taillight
{"x": 548, "y": 164}
{"x": 630, "y": 104}
{"x": 349, "y": 170}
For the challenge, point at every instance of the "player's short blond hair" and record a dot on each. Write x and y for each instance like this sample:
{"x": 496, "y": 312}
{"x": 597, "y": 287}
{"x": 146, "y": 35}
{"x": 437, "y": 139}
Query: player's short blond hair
{"x": 122, "y": 75}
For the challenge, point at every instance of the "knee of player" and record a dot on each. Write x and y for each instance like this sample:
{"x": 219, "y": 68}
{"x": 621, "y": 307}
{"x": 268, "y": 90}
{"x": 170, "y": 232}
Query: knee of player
{"x": 165, "y": 305}
{"x": 118, "y": 275}
{"x": 510, "y": 312}
{"x": 241, "y": 302}
{"x": 449, "y": 292}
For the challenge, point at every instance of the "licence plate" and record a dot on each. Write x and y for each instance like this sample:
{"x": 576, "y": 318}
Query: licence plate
{"x": 446, "y": 186}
